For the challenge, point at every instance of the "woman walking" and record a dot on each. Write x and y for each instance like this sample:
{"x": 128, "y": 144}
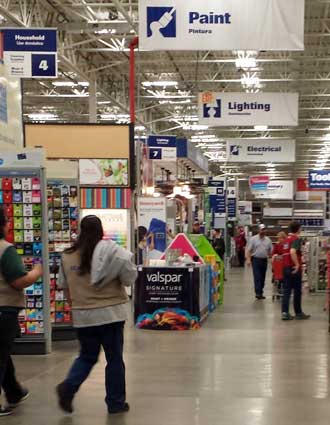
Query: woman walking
{"x": 94, "y": 274}
{"x": 13, "y": 280}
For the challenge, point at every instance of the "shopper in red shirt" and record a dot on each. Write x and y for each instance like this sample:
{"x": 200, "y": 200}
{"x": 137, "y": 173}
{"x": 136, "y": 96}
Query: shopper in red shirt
{"x": 292, "y": 259}
{"x": 240, "y": 242}
{"x": 278, "y": 248}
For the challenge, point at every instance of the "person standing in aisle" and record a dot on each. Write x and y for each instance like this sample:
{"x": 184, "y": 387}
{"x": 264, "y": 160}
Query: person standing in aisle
{"x": 240, "y": 243}
{"x": 218, "y": 243}
{"x": 94, "y": 274}
{"x": 258, "y": 251}
{"x": 13, "y": 280}
{"x": 292, "y": 260}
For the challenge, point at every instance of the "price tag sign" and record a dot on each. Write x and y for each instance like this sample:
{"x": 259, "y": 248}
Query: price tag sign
{"x": 30, "y": 53}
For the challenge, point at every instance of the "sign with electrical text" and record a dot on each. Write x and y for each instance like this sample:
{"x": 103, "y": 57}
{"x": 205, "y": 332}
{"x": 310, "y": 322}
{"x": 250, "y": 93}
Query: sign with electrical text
{"x": 261, "y": 150}
{"x": 30, "y": 52}
{"x": 221, "y": 24}
{"x": 248, "y": 109}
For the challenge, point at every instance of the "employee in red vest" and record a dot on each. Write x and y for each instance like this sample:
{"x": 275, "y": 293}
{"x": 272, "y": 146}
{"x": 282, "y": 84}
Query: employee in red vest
{"x": 292, "y": 260}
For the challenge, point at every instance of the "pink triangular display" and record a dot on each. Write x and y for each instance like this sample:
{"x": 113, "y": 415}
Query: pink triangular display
{"x": 182, "y": 243}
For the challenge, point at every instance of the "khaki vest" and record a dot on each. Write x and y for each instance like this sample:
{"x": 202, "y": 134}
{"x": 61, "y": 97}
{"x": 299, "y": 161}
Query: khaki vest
{"x": 83, "y": 294}
{"x": 9, "y": 296}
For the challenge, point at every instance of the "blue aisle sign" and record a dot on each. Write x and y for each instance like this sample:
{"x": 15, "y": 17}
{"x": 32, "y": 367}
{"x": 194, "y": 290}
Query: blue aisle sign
{"x": 30, "y": 53}
{"x": 162, "y": 148}
{"x": 319, "y": 179}
{"x": 217, "y": 193}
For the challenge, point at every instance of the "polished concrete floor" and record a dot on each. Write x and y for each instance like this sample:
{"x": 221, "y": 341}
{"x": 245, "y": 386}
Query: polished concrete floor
{"x": 243, "y": 367}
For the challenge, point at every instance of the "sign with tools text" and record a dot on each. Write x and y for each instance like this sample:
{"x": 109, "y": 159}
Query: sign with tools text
{"x": 162, "y": 148}
{"x": 217, "y": 197}
{"x": 248, "y": 109}
{"x": 221, "y": 24}
{"x": 261, "y": 150}
{"x": 319, "y": 179}
{"x": 276, "y": 189}
{"x": 30, "y": 52}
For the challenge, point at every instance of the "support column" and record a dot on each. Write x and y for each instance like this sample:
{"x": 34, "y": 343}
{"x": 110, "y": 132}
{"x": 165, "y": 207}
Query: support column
{"x": 92, "y": 101}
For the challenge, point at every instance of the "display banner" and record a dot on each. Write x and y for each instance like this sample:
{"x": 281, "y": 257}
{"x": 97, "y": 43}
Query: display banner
{"x": 258, "y": 183}
{"x": 11, "y": 132}
{"x": 30, "y": 52}
{"x": 151, "y": 220}
{"x": 166, "y": 299}
{"x": 276, "y": 189}
{"x": 162, "y": 148}
{"x": 103, "y": 172}
{"x": 319, "y": 179}
{"x": 248, "y": 109}
{"x": 217, "y": 197}
{"x": 221, "y": 24}
{"x": 261, "y": 150}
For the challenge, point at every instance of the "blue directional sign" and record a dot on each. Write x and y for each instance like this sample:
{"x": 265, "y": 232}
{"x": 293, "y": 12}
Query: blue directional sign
{"x": 30, "y": 53}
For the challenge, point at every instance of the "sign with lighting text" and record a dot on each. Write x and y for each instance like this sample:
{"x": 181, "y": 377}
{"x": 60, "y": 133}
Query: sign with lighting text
{"x": 162, "y": 148}
{"x": 319, "y": 179}
{"x": 30, "y": 52}
{"x": 276, "y": 189}
{"x": 261, "y": 150}
{"x": 248, "y": 109}
{"x": 221, "y": 24}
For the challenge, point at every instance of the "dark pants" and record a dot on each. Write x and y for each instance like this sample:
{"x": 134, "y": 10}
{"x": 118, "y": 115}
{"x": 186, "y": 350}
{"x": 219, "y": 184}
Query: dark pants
{"x": 259, "y": 266}
{"x": 8, "y": 333}
{"x": 241, "y": 257}
{"x": 91, "y": 339}
{"x": 292, "y": 282}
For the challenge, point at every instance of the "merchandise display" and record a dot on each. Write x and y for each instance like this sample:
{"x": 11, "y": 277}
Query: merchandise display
{"x": 22, "y": 196}
{"x": 63, "y": 223}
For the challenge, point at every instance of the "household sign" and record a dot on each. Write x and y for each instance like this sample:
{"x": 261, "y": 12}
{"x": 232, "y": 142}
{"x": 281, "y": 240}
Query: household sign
{"x": 242, "y": 109}
{"x": 221, "y": 24}
{"x": 30, "y": 53}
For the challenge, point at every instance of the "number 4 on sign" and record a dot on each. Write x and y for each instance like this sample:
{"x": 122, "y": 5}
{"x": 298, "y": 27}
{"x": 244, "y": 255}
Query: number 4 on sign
{"x": 43, "y": 65}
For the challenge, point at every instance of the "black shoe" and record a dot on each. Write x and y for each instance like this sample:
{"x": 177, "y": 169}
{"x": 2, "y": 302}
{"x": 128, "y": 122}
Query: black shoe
{"x": 302, "y": 316}
{"x": 5, "y": 411}
{"x": 260, "y": 297}
{"x": 14, "y": 403}
{"x": 64, "y": 398}
{"x": 122, "y": 409}
{"x": 287, "y": 316}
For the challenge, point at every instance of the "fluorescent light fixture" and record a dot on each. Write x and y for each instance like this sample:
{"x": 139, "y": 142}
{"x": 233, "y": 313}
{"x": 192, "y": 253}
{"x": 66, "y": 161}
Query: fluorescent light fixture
{"x": 246, "y": 63}
{"x": 64, "y": 83}
{"x": 139, "y": 128}
{"x": 250, "y": 81}
{"x": 104, "y": 102}
{"x": 160, "y": 83}
{"x": 42, "y": 117}
{"x": 261, "y": 127}
{"x": 194, "y": 127}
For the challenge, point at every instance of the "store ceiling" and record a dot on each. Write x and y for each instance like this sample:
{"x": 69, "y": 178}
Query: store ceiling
{"x": 94, "y": 40}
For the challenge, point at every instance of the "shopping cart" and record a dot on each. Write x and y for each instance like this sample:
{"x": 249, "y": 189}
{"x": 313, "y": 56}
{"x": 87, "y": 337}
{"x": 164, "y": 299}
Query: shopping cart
{"x": 277, "y": 267}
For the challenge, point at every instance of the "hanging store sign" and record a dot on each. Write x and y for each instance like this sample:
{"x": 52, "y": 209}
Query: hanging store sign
{"x": 221, "y": 24}
{"x": 217, "y": 197}
{"x": 30, "y": 53}
{"x": 162, "y": 148}
{"x": 319, "y": 179}
{"x": 248, "y": 109}
{"x": 258, "y": 183}
{"x": 261, "y": 150}
{"x": 276, "y": 189}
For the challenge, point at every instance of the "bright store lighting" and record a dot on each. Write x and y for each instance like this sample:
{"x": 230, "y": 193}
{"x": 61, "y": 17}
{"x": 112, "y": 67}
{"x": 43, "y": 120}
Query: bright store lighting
{"x": 173, "y": 102}
{"x": 139, "y": 127}
{"x": 104, "y": 102}
{"x": 160, "y": 83}
{"x": 42, "y": 117}
{"x": 246, "y": 63}
{"x": 194, "y": 127}
{"x": 250, "y": 81}
{"x": 63, "y": 83}
{"x": 261, "y": 127}
{"x": 119, "y": 118}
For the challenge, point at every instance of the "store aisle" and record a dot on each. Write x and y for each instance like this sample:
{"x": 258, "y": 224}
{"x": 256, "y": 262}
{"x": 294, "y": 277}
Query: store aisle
{"x": 244, "y": 367}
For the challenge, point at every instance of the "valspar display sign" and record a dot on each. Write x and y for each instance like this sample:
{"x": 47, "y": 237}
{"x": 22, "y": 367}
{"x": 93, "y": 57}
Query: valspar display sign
{"x": 261, "y": 150}
{"x": 30, "y": 52}
{"x": 248, "y": 109}
{"x": 276, "y": 189}
{"x": 221, "y": 24}
{"x": 319, "y": 179}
